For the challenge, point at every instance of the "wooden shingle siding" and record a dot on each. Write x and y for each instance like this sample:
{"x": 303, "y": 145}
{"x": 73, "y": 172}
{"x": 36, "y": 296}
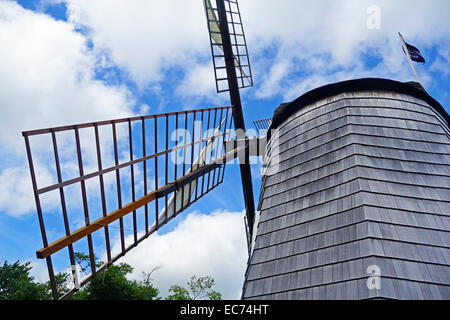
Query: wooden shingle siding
{"x": 362, "y": 179}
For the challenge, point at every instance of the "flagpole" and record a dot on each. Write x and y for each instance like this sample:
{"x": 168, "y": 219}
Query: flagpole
{"x": 405, "y": 48}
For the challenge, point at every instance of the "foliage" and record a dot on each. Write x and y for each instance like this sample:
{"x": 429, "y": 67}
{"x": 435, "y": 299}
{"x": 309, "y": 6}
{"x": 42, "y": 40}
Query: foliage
{"x": 62, "y": 284}
{"x": 112, "y": 284}
{"x": 199, "y": 289}
{"x": 84, "y": 262}
{"x": 16, "y": 283}
{"x": 179, "y": 293}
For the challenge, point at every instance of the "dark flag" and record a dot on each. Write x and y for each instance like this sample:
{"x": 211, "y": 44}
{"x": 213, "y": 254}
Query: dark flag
{"x": 414, "y": 53}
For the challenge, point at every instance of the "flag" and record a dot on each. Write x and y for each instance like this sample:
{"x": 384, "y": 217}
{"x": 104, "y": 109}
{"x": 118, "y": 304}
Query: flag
{"x": 414, "y": 53}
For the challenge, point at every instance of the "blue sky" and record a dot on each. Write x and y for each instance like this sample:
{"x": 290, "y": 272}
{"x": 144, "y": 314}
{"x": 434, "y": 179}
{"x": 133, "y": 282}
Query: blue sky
{"x": 72, "y": 61}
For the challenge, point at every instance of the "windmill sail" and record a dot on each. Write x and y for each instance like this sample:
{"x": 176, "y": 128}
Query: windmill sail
{"x": 262, "y": 126}
{"x": 237, "y": 37}
{"x": 124, "y": 170}
{"x": 216, "y": 36}
{"x": 213, "y": 23}
{"x": 111, "y": 178}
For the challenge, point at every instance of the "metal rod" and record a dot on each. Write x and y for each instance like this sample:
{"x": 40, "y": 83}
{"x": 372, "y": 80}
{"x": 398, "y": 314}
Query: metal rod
{"x": 184, "y": 155}
{"x": 207, "y": 136}
{"x": 192, "y": 152}
{"x": 110, "y": 122}
{"x": 102, "y": 193}
{"x": 40, "y": 218}
{"x": 133, "y": 194}
{"x": 405, "y": 48}
{"x": 217, "y": 146}
{"x": 229, "y": 134}
{"x": 119, "y": 191}
{"x": 212, "y": 145}
{"x": 156, "y": 174}
{"x": 176, "y": 167}
{"x": 84, "y": 197}
{"x": 167, "y": 165}
{"x": 63, "y": 200}
{"x": 200, "y": 147}
{"x": 223, "y": 143}
{"x": 144, "y": 154}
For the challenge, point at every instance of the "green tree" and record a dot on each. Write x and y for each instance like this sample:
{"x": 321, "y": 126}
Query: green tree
{"x": 112, "y": 284}
{"x": 16, "y": 283}
{"x": 198, "y": 289}
{"x": 84, "y": 262}
{"x": 62, "y": 284}
{"x": 179, "y": 293}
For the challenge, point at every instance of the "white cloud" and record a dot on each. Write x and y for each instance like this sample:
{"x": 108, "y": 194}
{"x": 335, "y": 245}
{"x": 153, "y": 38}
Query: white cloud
{"x": 145, "y": 37}
{"x": 16, "y": 193}
{"x": 47, "y": 77}
{"x": 200, "y": 245}
{"x": 330, "y": 40}
{"x": 199, "y": 81}
{"x": 442, "y": 63}
{"x": 39, "y": 270}
{"x": 271, "y": 85}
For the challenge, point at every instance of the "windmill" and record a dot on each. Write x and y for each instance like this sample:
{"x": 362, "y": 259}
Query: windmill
{"x": 125, "y": 178}
{"x": 343, "y": 166}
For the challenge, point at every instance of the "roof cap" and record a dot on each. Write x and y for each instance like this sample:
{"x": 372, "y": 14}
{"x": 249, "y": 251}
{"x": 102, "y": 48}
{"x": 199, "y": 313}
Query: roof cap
{"x": 414, "y": 89}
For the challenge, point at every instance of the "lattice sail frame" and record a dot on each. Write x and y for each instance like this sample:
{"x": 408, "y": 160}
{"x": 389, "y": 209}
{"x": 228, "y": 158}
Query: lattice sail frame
{"x": 238, "y": 43}
{"x": 148, "y": 171}
{"x": 262, "y": 126}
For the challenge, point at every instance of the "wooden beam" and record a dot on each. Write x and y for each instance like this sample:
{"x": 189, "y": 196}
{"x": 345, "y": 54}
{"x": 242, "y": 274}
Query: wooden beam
{"x": 94, "y": 226}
